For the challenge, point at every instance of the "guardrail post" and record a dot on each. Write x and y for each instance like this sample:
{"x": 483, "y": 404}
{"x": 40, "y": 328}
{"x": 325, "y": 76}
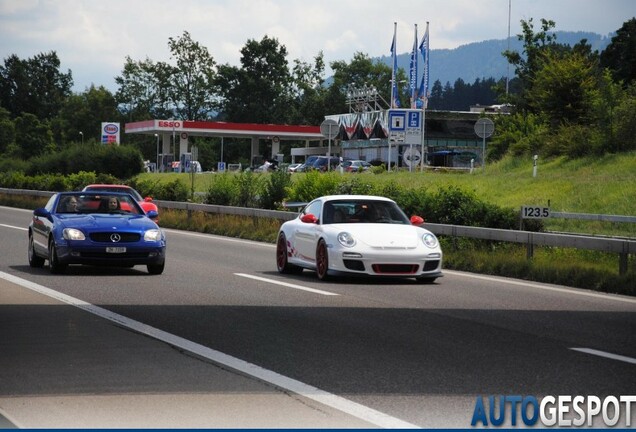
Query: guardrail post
{"x": 530, "y": 247}
{"x": 189, "y": 212}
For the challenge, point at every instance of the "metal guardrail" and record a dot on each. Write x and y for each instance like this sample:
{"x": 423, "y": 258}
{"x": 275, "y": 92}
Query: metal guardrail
{"x": 623, "y": 247}
{"x": 595, "y": 217}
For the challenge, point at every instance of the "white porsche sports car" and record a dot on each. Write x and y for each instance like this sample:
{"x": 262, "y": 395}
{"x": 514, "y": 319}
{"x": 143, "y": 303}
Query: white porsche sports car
{"x": 359, "y": 235}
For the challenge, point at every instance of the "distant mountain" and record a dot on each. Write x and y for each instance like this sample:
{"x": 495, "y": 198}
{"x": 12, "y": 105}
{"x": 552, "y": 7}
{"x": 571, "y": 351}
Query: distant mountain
{"x": 484, "y": 59}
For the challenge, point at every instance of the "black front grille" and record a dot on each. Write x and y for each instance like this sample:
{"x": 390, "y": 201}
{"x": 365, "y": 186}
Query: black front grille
{"x": 430, "y": 265}
{"x": 395, "y": 268}
{"x": 353, "y": 264}
{"x": 104, "y": 237}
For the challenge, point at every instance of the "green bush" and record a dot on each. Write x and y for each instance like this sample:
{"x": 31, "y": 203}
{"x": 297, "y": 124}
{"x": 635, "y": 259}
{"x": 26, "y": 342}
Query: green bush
{"x": 415, "y": 202}
{"x": 120, "y": 161}
{"x": 313, "y": 185}
{"x": 248, "y": 187}
{"x": 276, "y": 189}
{"x": 355, "y": 186}
{"x": 78, "y": 180}
{"x": 221, "y": 191}
{"x": 146, "y": 187}
{"x": 172, "y": 191}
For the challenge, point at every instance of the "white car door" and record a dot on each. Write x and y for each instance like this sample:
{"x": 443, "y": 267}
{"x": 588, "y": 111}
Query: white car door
{"x": 307, "y": 234}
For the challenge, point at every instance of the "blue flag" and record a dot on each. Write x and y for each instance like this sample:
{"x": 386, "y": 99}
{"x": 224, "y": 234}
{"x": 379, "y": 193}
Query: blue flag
{"x": 395, "y": 102}
{"x": 413, "y": 72}
{"x": 424, "y": 49}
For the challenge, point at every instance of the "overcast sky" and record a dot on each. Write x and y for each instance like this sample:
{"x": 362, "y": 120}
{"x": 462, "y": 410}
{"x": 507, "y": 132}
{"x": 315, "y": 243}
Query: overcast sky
{"x": 93, "y": 37}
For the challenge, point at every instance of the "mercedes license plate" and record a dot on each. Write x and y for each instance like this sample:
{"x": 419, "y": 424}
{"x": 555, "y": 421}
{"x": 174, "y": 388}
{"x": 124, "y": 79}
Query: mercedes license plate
{"x": 115, "y": 249}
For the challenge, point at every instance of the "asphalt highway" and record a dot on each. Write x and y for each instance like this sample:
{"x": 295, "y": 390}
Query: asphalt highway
{"x": 220, "y": 339}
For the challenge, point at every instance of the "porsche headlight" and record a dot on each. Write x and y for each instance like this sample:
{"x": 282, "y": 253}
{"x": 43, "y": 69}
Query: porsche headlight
{"x": 73, "y": 234}
{"x": 346, "y": 239}
{"x": 152, "y": 235}
{"x": 429, "y": 240}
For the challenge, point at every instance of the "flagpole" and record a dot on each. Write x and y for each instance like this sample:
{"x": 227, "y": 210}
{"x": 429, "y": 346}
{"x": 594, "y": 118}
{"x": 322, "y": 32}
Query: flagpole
{"x": 393, "y": 73}
{"x": 393, "y": 84}
{"x": 413, "y": 72}
{"x": 423, "y": 137}
{"x": 424, "y": 90}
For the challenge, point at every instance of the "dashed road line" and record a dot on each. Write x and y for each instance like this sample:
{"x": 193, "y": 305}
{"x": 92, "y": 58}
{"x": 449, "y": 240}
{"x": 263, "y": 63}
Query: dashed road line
{"x": 285, "y": 284}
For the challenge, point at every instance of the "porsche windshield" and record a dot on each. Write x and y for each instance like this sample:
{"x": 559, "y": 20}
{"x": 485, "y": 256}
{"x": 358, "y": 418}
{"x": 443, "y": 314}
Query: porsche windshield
{"x": 363, "y": 211}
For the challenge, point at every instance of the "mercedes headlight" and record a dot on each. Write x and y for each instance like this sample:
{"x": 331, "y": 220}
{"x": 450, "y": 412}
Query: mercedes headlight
{"x": 429, "y": 240}
{"x": 73, "y": 234}
{"x": 346, "y": 239}
{"x": 152, "y": 235}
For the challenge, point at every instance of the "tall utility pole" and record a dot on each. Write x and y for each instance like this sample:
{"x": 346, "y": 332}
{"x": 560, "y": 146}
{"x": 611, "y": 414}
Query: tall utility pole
{"x": 508, "y": 67}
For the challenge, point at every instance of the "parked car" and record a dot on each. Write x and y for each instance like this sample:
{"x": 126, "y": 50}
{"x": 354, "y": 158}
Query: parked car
{"x": 95, "y": 228}
{"x": 193, "y": 166}
{"x": 302, "y": 168}
{"x": 355, "y": 165}
{"x": 293, "y": 167}
{"x": 146, "y": 203}
{"x": 308, "y": 164}
{"x": 321, "y": 162}
{"x": 358, "y": 235}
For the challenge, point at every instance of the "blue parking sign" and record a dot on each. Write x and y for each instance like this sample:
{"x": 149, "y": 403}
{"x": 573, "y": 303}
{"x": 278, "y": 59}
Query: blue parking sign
{"x": 414, "y": 119}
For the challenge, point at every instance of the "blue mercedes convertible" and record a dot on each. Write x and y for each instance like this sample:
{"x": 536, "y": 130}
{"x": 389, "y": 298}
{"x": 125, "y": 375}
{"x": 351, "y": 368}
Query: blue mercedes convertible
{"x": 95, "y": 228}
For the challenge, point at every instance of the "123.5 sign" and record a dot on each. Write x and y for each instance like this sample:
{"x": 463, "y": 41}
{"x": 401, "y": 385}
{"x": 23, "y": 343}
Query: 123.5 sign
{"x": 530, "y": 212}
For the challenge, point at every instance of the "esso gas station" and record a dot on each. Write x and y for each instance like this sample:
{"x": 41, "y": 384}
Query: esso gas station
{"x": 173, "y": 131}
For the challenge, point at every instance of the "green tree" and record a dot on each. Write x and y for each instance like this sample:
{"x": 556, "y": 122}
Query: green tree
{"x": 620, "y": 54}
{"x": 34, "y": 85}
{"x": 140, "y": 95}
{"x": 161, "y": 90}
{"x": 192, "y": 79}
{"x": 437, "y": 95}
{"x": 528, "y": 62}
{"x": 84, "y": 112}
{"x": 563, "y": 87}
{"x": 625, "y": 121}
{"x": 605, "y": 100}
{"x": 308, "y": 92}
{"x": 7, "y": 130}
{"x": 362, "y": 70}
{"x": 33, "y": 137}
{"x": 260, "y": 91}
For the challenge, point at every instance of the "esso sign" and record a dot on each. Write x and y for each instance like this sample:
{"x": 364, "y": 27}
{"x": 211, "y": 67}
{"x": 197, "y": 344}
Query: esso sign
{"x": 111, "y": 129}
{"x": 169, "y": 124}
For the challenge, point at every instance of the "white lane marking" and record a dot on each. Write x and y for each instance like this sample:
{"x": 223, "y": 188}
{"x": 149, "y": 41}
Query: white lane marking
{"x": 14, "y": 227}
{"x": 289, "y": 285}
{"x": 606, "y": 355}
{"x": 578, "y": 291}
{"x": 337, "y": 402}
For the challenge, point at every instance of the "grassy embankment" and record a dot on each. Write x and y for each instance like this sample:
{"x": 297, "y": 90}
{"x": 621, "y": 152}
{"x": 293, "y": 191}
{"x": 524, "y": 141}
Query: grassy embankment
{"x": 600, "y": 186}
{"x": 604, "y": 185}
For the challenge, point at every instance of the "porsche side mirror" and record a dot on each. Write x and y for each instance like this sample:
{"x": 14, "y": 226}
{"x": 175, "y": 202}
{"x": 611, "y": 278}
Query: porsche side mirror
{"x": 309, "y": 218}
{"x": 148, "y": 199}
{"x": 417, "y": 220}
